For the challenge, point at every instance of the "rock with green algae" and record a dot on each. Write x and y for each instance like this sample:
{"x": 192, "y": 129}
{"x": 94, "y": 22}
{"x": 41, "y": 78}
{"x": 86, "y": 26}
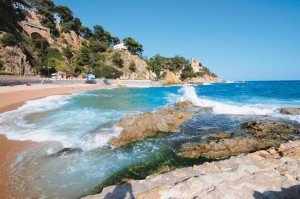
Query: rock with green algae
{"x": 139, "y": 127}
{"x": 273, "y": 172}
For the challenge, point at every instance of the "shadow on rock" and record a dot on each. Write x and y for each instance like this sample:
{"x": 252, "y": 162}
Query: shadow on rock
{"x": 120, "y": 192}
{"x": 285, "y": 193}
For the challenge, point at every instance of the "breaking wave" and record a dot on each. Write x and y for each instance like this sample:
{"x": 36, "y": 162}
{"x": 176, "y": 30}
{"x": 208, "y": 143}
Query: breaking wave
{"x": 188, "y": 93}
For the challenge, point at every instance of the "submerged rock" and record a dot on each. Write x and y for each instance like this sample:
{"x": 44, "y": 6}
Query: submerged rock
{"x": 289, "y": 111}
{"x": 256, "y": 175}
{"x": 66, "y": 151}
{"x": 263, "y": 129}
{"x": 224, "y": 148}
{"x": 139, "y": 127}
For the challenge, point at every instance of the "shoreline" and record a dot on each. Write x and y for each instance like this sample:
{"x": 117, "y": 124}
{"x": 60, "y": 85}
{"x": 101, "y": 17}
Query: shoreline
{"x": 16, "y": 96}
{"x": 13, "y": 98}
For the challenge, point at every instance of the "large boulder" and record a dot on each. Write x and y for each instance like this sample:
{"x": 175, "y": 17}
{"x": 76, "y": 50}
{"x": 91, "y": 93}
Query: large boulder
{"x": 289, "y": 111}
{"x": 171, "y": 79}
{"x": 139, "y": 127}
{"x": 224, "y": 148}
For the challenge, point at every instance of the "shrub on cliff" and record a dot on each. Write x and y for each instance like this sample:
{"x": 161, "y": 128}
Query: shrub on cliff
{"x": 117, "y": 60}
{"x": 103, "y": 70}
{"x": 177, "y": 63}
{"x": 98, "y": 46}
{"x": 8, "y": 39}
{"x": 187, "y": 72}
{"x": 133, "y": 46}
{"x": 132, "y": 66}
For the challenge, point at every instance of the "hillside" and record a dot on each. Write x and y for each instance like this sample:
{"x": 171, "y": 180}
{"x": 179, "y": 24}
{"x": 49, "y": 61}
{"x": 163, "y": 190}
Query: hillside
{"x": 41, "y": 38}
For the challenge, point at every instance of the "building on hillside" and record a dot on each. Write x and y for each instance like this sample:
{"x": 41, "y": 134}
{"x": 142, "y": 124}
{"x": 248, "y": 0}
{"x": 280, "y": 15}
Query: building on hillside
{"x": 195, "y": 64}
{"x": 120, "y": 46}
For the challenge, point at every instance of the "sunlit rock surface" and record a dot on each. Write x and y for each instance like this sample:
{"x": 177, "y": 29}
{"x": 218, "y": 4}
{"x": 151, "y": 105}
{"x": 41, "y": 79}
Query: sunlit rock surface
{"x": 139, "y": 127}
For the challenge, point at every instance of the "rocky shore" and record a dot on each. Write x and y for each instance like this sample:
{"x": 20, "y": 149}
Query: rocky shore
{"x": 272, "y": 173}
{"x": 277, "y": 163}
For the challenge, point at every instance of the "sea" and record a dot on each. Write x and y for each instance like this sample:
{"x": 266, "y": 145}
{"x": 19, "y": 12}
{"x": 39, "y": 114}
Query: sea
{"x": 87, "y": 121}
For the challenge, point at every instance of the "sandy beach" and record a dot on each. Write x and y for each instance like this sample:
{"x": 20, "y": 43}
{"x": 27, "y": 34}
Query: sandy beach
{"x": 13, "y": 97}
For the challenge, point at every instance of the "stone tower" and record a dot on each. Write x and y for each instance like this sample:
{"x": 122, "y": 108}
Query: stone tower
{"x": 195, "y": 63}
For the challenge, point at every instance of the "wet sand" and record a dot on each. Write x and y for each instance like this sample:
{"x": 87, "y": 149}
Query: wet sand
{"x": 13, "y": 97}
{"x": 9, "y": 150}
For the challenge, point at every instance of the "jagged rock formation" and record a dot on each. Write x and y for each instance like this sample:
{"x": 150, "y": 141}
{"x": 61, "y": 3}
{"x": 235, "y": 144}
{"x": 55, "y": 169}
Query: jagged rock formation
{"x": 261, "y": 135}
{"x": 138, "y": 127}
{"x": 272, "y": 173}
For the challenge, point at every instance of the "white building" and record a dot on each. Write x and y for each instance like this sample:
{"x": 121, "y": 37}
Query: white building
{"x": 120, "y": 46}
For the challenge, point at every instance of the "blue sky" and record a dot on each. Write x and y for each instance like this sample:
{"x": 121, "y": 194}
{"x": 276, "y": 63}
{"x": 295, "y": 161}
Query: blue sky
{"x": 236, "y": 39}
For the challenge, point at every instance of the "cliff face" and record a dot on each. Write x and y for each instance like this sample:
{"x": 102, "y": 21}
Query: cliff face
{"x": 128, "y": 58}
{"x": 272, "y": 173}
{"x": 14, "y": 61}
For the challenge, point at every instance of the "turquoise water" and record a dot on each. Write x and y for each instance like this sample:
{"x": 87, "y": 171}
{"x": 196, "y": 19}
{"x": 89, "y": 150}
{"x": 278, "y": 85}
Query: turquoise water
{"x": 87, "y": 120}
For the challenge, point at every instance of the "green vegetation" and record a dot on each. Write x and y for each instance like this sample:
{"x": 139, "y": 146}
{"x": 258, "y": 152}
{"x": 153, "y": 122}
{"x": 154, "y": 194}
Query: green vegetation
{"x": 207, "y": 71}
{"x": 94, "y": 52}
{"x": 133, "y": 46}
{"x": 12, "y": 11}
{"x": 132, "y": 66}
{"x": 159, "y": 63}
{"x": 8, "y": 39}
{"x": 187, "y": 72}
{"x": 117, "y": 60}
{"x": 103, "y": 70}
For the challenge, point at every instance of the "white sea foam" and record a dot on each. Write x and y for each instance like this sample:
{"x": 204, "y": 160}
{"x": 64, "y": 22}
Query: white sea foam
{"x": 101, "y": 138}
{"x": 229, "y": 82}
{"x": 188, "y": 93}
{"x": 47, "y": 120}
{"x": 207, "y": 84}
